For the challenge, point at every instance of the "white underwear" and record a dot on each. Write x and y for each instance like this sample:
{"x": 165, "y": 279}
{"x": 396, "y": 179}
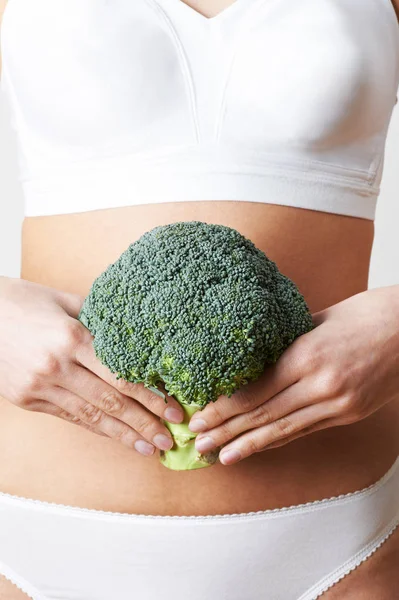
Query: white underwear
{"x": 56, "y": 552}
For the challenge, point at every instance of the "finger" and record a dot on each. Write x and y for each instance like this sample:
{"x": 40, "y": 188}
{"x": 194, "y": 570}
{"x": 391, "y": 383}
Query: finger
{"x": 274, "y": 380}
{"x": 289, "y": 400}
{"x": 157, "y": 401}
{"x": 258, "y": 439}
{"x": 45, "y": 407}
{"x": 325, "y": 424}
{"x": 97, "y": 419}
{"x": 110, "y": 401}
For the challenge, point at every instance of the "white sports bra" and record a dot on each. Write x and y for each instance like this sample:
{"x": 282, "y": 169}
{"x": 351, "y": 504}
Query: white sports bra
{"x": 125, "y": 102}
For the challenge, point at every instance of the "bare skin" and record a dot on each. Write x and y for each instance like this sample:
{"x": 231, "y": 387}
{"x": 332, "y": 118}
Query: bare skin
{"x": 8, "y": 591}
{"x": 49, "y": 459}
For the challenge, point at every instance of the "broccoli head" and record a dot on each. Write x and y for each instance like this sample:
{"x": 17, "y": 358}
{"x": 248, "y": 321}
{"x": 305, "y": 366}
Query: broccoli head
{"x": 197, "y": 308}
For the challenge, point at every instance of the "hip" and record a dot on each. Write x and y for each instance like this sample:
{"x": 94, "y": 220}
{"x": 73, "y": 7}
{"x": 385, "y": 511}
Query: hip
{"x": 103, "y": 555}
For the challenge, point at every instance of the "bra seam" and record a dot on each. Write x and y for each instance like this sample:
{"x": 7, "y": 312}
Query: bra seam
{"x": 378, "y": 155}
{"x": 267, "y": 169}
{"x": 260, "y": 158}
{"x": 246, "y": 26}
{"x": 186, "y": 71}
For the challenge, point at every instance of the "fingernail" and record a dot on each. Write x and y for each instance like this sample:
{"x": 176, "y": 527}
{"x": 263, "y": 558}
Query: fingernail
{"x": 229, "y": 457}
{"x": 174, "y": 415}
{"x": 163, "y": 441}
{"x": 144, "y": 447}
{"x": 204, "y": 444}
{"x": 197, "y": 425}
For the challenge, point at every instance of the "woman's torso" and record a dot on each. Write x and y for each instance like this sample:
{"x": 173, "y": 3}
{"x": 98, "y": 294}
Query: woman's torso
{"x": 326, "y": 254}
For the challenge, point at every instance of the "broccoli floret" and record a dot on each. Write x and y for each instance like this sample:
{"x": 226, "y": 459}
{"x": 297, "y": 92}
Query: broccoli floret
{"x": 198, "y": 308}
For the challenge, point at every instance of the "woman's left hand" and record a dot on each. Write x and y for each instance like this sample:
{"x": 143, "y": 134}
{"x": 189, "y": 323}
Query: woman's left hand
{"x": 338, "y": 373}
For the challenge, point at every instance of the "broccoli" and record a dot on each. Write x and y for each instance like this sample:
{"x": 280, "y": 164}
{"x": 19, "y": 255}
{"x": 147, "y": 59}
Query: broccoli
{"x": 197, "y": 308}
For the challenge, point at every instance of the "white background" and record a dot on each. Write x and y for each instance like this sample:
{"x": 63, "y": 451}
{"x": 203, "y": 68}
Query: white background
{"x": 385, "y": 256}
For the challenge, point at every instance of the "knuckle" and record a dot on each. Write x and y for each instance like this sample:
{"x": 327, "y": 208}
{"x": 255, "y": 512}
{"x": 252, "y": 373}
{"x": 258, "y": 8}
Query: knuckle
{"x": 260, "y": 415}
{"x": 144, "y": 426}
{"x": 32, "y": 404}
{"x": 124, "y": 436}
{"x": 77, "y": 421}
{"x": 32, "y": 382}
{"x": 283, "y": 427}
{"x": 306, "y": 357}
{"x": 328, "y": 384}
{"x": 346, "y": 405}
{"x": 90, "y": 414}
{"x": 22, "y": 399}
{"x": 63, "y": 414}
{"x": 223, "y": 432}
{"x": 111, "y": 403}
{"x": 153, "y": 401}
{"x": 47, "y": 365}
{"x": 73, "y": 334}
{"x": 245, "y": 399}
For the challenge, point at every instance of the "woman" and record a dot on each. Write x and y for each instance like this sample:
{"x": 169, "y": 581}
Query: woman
{"x": 266, "y": 116}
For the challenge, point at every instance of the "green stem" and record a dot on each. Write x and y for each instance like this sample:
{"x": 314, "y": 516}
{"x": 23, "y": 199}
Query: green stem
{"x": 183, "y": 455}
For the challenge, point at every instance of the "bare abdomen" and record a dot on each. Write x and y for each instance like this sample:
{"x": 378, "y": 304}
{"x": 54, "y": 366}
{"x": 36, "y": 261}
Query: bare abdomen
{"x": 43, "y": 457}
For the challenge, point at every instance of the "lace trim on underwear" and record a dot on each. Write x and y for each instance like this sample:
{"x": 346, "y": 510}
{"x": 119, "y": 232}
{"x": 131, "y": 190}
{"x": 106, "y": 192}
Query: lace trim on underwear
{"x": 271, "y": 513}
{"x": 21, "y": 583}
{"x": 350, "y": 565}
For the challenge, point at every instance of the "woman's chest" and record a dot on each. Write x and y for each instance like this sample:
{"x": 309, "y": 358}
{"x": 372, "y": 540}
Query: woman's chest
{"x": 275, "y": 76}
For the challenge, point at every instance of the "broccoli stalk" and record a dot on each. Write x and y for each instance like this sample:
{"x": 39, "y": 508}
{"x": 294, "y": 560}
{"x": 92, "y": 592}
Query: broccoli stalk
{"x": 183, "y": 455}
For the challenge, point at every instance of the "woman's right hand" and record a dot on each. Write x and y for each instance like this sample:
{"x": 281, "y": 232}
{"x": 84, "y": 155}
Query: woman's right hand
{"x": 48, "y": 364}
